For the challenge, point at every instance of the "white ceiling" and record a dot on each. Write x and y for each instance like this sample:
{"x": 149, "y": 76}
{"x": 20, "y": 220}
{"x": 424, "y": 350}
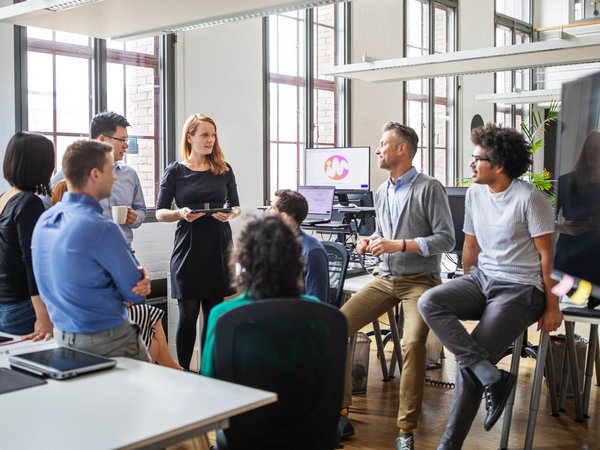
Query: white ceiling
{"x": 122, "y": 19}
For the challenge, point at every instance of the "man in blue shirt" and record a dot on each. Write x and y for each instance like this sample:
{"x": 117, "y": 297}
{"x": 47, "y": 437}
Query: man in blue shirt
{"x": 293, "y": 207}
{"x": 84, "y": 269}
{"x": 111, "y": 128}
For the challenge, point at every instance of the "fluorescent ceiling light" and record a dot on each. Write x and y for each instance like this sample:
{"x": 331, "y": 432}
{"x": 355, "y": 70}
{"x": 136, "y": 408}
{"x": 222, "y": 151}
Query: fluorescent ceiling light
{"x": 103, "y": 18}
{"x": 554, "y": 52}
{"x": 522, "y": 97}
{"x": 69, "y": 5}
{"x": 248, "y": 15}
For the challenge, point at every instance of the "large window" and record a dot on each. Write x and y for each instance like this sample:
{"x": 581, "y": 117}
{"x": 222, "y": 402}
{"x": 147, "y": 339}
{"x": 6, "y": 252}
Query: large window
{"x": 431, "y": 104}
{"x": 304, "y": 106}
{"x": 512, "y": 27}
{"x": 71, "y": 77}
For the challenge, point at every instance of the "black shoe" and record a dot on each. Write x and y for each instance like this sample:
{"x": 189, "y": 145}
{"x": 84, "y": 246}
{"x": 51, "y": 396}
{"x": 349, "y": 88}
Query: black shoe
{"x": 345, "y": 427}
{"x": 496, "y": 396}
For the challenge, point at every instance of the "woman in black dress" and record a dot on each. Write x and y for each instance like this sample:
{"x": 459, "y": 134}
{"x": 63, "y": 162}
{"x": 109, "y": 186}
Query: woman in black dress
{"x": 199, "y": 270}
{"x": 28, "y": 165}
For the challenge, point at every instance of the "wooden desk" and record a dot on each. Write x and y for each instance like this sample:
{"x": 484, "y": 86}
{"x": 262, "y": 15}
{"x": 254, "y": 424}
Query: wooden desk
{"x": 135, "y": 405}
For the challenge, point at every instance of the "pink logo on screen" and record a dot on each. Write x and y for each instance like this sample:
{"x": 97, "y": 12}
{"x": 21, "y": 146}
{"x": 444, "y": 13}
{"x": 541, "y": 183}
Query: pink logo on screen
{"x": 336, "y": 167}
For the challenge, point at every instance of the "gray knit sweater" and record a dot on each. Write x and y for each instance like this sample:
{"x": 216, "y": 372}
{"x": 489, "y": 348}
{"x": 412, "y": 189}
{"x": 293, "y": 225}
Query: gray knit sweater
{"x": 426, "y": 214}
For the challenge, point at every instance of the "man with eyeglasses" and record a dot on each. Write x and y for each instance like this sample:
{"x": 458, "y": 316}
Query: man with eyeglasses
{"x": 414, "y": 228}
{"x": 507, "y": 258}
{"x": 111, "y": 128}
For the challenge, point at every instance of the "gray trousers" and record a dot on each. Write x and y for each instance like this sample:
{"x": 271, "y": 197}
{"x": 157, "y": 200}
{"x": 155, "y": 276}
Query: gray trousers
{"x": 123, "y": 340}
{"x": 504, "y": 311}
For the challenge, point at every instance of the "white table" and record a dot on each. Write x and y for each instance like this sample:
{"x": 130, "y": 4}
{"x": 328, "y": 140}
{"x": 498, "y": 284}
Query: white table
{"x": 354, "y": 284}
{"x": 135, "y": 405}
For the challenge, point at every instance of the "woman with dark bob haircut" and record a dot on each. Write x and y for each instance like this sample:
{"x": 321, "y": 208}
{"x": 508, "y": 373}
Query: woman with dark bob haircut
{"x": 267, "y": 263}
{"x": 28, "y": 165}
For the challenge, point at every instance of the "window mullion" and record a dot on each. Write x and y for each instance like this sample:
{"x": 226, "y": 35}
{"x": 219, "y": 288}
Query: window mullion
{"x": 99, "y": 92}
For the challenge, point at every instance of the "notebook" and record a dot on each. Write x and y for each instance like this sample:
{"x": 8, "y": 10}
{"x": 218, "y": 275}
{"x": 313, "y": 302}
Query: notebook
{"x": 60, "y": 363}
{"x": 320, "y": 203}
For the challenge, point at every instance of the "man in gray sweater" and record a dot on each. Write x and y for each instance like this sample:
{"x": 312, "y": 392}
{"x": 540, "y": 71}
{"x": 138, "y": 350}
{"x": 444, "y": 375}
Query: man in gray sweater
{"x": 414, "y": 227}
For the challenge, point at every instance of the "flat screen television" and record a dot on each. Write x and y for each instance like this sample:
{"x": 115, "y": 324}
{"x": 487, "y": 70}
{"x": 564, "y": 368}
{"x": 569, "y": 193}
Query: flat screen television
{"x": 346, "y": 168}
{"x": 577, "y": 212}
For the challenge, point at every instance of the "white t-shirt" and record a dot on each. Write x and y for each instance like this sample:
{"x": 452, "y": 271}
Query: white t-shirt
{"x": 505, "y": 224}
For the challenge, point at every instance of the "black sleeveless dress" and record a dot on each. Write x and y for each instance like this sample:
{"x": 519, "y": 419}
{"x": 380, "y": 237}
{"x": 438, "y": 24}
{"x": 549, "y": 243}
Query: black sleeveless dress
{"x": 199, "y": 264}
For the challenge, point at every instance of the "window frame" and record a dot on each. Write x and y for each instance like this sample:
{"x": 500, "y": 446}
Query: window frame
{"x": 431, "y": 99}
{"x": 100, "y": 56}
{"x": 310, "y": 85}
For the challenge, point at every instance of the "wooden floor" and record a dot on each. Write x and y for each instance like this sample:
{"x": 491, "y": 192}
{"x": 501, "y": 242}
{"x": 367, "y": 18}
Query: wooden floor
{"x": 374, "y": 415}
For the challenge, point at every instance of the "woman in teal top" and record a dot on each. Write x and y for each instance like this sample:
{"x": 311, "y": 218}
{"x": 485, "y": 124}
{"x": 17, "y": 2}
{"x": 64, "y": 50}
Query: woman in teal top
{"x": 267, "y": 263}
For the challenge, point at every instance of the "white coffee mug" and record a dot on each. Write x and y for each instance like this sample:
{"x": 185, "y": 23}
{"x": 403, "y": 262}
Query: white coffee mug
{"x": 119, "y": 214}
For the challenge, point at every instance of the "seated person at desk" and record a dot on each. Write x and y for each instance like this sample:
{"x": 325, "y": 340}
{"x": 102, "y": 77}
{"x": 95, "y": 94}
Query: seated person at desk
{"x": 507, "y": 258}
{"x": 293, "y": 208}
{"x": 83, "y": 267}
{"x": 269, "y": 257}
{"x": 414, "y": 227}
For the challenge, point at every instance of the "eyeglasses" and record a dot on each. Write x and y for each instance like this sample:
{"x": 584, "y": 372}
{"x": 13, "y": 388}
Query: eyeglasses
{"x": 476, "y": 159}
{"x": 122, "y": 140}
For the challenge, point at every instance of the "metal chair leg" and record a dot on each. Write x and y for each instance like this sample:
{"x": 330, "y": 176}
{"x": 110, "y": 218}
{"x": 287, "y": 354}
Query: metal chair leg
{"x": 570, "y": 332}
{"x": 379, "y": 343}
{"x": 514, "y": 369}
{"x": 589, "y": 369}
{"x": 536, "y": 388}
{"x": 549, "y": 364}
{"x": 396, "y": 339}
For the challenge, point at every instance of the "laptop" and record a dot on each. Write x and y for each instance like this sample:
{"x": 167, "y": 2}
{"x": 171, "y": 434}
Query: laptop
{"x": 60, "y": 363}
{"x": 320, "y": 203}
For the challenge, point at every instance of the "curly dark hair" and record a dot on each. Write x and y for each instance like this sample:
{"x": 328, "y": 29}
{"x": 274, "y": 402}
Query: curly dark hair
{"x": 505, "y": 147}
{"x": 269, "y": 254}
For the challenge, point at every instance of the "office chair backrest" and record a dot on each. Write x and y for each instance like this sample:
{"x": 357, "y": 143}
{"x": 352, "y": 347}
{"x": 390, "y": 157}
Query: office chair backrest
{"x": 295, "y": 348}
{"x": 338, "y": 265}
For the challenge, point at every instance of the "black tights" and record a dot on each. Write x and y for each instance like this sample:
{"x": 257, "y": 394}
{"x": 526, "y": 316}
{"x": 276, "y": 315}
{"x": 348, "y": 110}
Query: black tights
{"x": 189, "y": 311}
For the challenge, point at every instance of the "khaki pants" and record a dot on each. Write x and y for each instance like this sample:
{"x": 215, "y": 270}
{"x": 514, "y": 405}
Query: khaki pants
{"x": 368, "y": 305}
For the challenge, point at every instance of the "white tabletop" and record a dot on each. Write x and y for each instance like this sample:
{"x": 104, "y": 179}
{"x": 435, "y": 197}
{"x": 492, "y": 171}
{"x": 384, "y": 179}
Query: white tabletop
{"x": 135, "y": 405}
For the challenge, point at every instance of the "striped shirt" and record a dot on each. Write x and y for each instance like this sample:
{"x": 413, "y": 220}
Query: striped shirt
{"x": 505, "y": 224}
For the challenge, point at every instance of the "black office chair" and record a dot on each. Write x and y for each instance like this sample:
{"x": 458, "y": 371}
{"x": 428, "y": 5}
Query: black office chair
{"x": 338, "y": 265}
{"x": 292, "y": 347}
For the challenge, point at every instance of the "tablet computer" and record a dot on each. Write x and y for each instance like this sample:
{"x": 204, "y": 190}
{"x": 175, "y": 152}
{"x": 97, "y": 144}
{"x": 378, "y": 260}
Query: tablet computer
{"x": 60, "y": 363}
{"x": 211, "y": 210}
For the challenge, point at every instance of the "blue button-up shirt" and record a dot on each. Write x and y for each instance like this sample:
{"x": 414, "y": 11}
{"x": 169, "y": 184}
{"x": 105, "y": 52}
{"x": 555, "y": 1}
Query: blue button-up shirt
{"x": 83, "y": 267}
{"x": 397, "y": 194}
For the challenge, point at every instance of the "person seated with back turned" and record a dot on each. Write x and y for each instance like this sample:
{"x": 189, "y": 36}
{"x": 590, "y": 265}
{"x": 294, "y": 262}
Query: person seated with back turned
{"x": 507, "y": 257}
{"x": 293, "y": 208}
{"x": 267, "y": 263}
{"x": 83, "y": 267}
{"x": 147, "y": 317}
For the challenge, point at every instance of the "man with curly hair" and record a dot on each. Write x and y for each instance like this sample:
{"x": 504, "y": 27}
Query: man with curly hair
{"x": 507, "y": 258}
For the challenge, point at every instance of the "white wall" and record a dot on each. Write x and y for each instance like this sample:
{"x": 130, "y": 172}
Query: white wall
{"x": 7, "y": 92}
{"x": 377, "y": 31}
{"x": 219, "y": 73}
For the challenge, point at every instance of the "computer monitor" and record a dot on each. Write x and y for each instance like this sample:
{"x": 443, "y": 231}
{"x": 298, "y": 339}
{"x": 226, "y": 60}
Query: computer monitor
{"x": 577, "y": 231}
{"x": 346, "y": 168}
{"x": 456, "y": 199}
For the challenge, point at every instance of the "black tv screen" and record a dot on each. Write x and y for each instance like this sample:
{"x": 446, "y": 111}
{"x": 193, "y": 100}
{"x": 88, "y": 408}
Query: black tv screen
{"x": 577, "y": 213}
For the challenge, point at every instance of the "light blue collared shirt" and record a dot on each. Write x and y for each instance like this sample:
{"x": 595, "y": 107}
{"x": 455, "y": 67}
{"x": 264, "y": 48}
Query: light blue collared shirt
{"x": 397, "y": 196}
{"x": 83, "y": 267}
{"x": 127, "y": 191}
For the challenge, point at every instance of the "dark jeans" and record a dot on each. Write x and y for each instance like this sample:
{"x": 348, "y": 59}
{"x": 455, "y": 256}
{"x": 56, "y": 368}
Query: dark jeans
{"x": 17, "y": 318}
{"x": 504, "y": 311}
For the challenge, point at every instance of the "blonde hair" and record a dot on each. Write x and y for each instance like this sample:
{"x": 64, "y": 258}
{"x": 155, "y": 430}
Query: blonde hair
{"x": 216, "y": 160}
